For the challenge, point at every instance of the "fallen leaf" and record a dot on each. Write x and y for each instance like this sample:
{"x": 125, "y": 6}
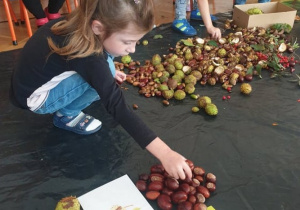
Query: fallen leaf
{"x": 187, "y": 42}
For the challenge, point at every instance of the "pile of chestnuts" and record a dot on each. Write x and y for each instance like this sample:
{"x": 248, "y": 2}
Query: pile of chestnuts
{"x": 187, "y": 194}
{"x": 235, "y": 58}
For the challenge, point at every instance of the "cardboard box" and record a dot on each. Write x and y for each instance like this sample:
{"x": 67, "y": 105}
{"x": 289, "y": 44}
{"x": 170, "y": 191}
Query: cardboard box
{"x": 273, "y": 12}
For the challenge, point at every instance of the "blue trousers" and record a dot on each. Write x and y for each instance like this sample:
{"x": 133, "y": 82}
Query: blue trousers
{"x": 180, "y": 8}
{"x": 69, "y": 97}
{"x": 72, "y": 95}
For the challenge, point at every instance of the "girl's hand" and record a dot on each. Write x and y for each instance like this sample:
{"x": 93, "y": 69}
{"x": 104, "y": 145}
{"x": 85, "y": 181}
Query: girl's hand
{"x": 120, "y": 76}
{"x": 176, "y": 166}
{"x": 173, "y": 162}
{"x": 214, "y": 32}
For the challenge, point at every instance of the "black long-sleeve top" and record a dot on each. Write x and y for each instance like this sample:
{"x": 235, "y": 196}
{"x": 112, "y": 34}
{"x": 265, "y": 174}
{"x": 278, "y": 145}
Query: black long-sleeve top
{"x": 35, "y": 68}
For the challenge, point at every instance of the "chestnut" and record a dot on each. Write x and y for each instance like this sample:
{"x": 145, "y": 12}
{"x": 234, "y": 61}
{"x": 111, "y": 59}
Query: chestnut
{"x": 199, "y": 171}
{"x": 192, "y": 199}
{"x": 155, "y": 185}
{"x": 190, "y": 164}
{"x": 185, "y": 187}
{"x": 157, "y": 169}
{"x": 141, "y": 185}
{"x": 152, "y": 195}
{"x": 200, "y": 198}
{"x": 248, "y": 77}
{"x": 144, "y": 177}
{"x": 199, "y": 178}
{"x": 195, "y": 182}
{"x": 156, "y": 177}
{"x": 186, "y": 205}
{"x": 192, "y": 190}
{"x": 203, "y": 190}
{"x": 164, "y": 202}
{"x": 178, "y": 197}
{"x": 210, "y": 186}
{"x": 188, "y": 180}
{"x": 200, "y": 206}
{"x": 167, "y": 191}
{"x": 172, "y": 183}
{"x": 241, "y": 79}
{"x": 211, "y": 177}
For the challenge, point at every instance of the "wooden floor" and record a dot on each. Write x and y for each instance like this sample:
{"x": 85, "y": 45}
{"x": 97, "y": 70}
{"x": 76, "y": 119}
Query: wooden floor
{"x": 164, "y": 14}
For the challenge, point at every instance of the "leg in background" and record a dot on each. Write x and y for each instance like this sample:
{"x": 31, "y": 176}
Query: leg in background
{"x": 195, "y": 14}
{"x": 55, "y": 5}
{"x": 180, "y": 9}
{"x": 35, "y": 7}
{"x": 180, "y": 24}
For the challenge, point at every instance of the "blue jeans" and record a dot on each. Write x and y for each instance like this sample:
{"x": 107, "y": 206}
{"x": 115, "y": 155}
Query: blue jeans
{"x": 239, "y": 2}
{"x": 69, "y": 97}
{"x": 180, "y": 8}
{"x": 72, "y": 95}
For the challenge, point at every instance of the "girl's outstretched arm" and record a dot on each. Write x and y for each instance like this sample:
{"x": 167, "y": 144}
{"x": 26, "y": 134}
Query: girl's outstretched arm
{"x": 173, "y": 162}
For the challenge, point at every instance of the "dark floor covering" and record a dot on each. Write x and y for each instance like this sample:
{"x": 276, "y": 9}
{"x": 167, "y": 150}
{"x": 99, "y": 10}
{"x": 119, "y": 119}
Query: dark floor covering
{"x": 257, "y": 163}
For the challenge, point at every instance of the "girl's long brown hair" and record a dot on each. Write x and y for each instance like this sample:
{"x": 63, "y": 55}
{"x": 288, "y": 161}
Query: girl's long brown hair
{"x": 115, "y": 15}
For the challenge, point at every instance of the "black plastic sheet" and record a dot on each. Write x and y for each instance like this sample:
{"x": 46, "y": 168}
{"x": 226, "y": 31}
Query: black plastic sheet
{"x": 257, "y": 164}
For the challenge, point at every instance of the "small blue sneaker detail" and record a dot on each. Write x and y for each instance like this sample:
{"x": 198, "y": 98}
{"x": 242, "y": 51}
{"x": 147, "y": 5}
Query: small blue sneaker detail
{"x": 195, "y": 15}
{"x": 81, "y": 124}
{"x": 184, "y": 27}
